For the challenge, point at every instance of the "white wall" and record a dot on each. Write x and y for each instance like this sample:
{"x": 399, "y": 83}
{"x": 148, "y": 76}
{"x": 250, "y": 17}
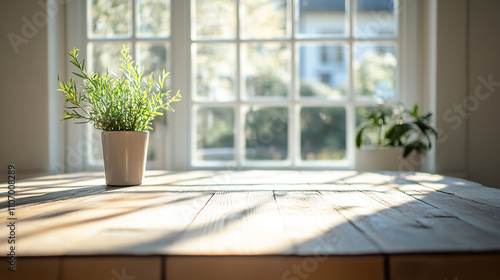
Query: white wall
{"x": 483, "y": 125}
{"x": 24, "y": 137}
{"x": 450, "y": 85}
{"x": 466, "y": 43}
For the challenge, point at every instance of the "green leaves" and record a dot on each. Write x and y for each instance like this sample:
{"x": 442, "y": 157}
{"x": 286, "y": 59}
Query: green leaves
{"x": 397, "y": 134}
{"x": 407, "y": 129}
{"x": 123, "y": 103}
{"x": 359, "y": 136}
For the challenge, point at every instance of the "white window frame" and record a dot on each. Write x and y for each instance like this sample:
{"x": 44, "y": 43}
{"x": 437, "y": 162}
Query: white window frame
{"x": 82, "y": 134}
{"x": 180, "y": 137}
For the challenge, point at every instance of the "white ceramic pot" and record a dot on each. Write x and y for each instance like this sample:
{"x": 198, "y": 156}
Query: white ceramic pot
{"x": 125, "y": 154}
{"x": 386, "y": 159}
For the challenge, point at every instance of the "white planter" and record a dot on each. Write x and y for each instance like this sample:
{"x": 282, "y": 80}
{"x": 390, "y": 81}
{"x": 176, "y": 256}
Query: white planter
{"x": 125, "y": 154}
{"x": 386, "y": 159}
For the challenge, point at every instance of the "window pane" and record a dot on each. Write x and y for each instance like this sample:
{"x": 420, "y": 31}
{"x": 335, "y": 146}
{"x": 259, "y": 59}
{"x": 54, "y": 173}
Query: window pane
{"x": 375, "y": 70}
{"x": 323, "y": 70}
{"x": 322, "y": 18}
{"x": 152, "y": 57}
{"x": 323, "y": 133}
{"x": 263, "y": 18}
{"x": 110, "y": 18}
{"x": 375, "y": 19}
{"x": 215, "y": 134}
{"x": 153, "y": 18}
{"x": 266, "y": 69}
{"x": 103, "y": 54}
{"x": 213, "y": 19}
{"x": 156, "y": 141}
{"x": 266, "y": 131}
{"x": 362, "y": 112}
{"x": 215, "y": 68}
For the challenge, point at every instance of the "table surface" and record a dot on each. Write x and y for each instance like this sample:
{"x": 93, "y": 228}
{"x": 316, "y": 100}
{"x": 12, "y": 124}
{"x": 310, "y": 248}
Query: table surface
{"x": 253, "y": 213}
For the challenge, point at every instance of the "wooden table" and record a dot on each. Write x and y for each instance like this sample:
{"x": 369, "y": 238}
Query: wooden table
{"x": 221, "y": 225}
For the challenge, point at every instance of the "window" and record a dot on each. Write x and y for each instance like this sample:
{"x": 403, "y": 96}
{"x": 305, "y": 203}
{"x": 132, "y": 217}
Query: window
{"x": 270, "y": 83}
{"x": 277, "y": 83}
{"x": 144, "y": 27}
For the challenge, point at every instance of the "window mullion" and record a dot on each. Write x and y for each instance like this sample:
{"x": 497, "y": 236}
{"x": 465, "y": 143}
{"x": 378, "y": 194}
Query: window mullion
{"x": 179, "y": 152}
{"x": 133, "y": 39}
{"x": 350, "y": 49}
{"x": 293, "y": 122}
{"x": 351, "y": 107}
{"x": 239, "y": 123}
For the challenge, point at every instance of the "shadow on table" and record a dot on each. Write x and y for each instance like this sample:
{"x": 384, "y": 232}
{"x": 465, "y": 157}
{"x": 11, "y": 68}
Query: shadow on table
{"x": 350, "y": 214}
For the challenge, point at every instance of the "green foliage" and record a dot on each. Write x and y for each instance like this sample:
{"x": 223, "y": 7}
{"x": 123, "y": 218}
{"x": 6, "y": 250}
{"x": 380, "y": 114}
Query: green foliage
{"x": 378, "y": 120}
{"x": 374, "y": 70}
{"x": 266, "y": 131}
{"x": 116, "y": 103}
{"x": 323, "y": 133}
{"x": 407, "y": 129}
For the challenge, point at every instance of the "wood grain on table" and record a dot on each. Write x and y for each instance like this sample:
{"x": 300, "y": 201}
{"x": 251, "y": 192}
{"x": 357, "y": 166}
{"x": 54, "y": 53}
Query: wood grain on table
{"x": 335, "y": 224}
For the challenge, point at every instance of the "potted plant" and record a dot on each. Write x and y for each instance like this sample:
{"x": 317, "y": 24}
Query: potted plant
{"x": 123, "y": 108}
{"x": 388, "y": 133}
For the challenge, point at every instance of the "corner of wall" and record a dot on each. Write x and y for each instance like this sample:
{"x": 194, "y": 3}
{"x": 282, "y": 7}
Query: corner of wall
{"x": 445, "y": 81}
{"x": 56, "y": 49}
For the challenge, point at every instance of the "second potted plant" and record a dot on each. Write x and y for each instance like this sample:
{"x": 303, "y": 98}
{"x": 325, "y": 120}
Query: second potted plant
{"x": 392, "y": 139}
{"x": 123, "y": 108}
